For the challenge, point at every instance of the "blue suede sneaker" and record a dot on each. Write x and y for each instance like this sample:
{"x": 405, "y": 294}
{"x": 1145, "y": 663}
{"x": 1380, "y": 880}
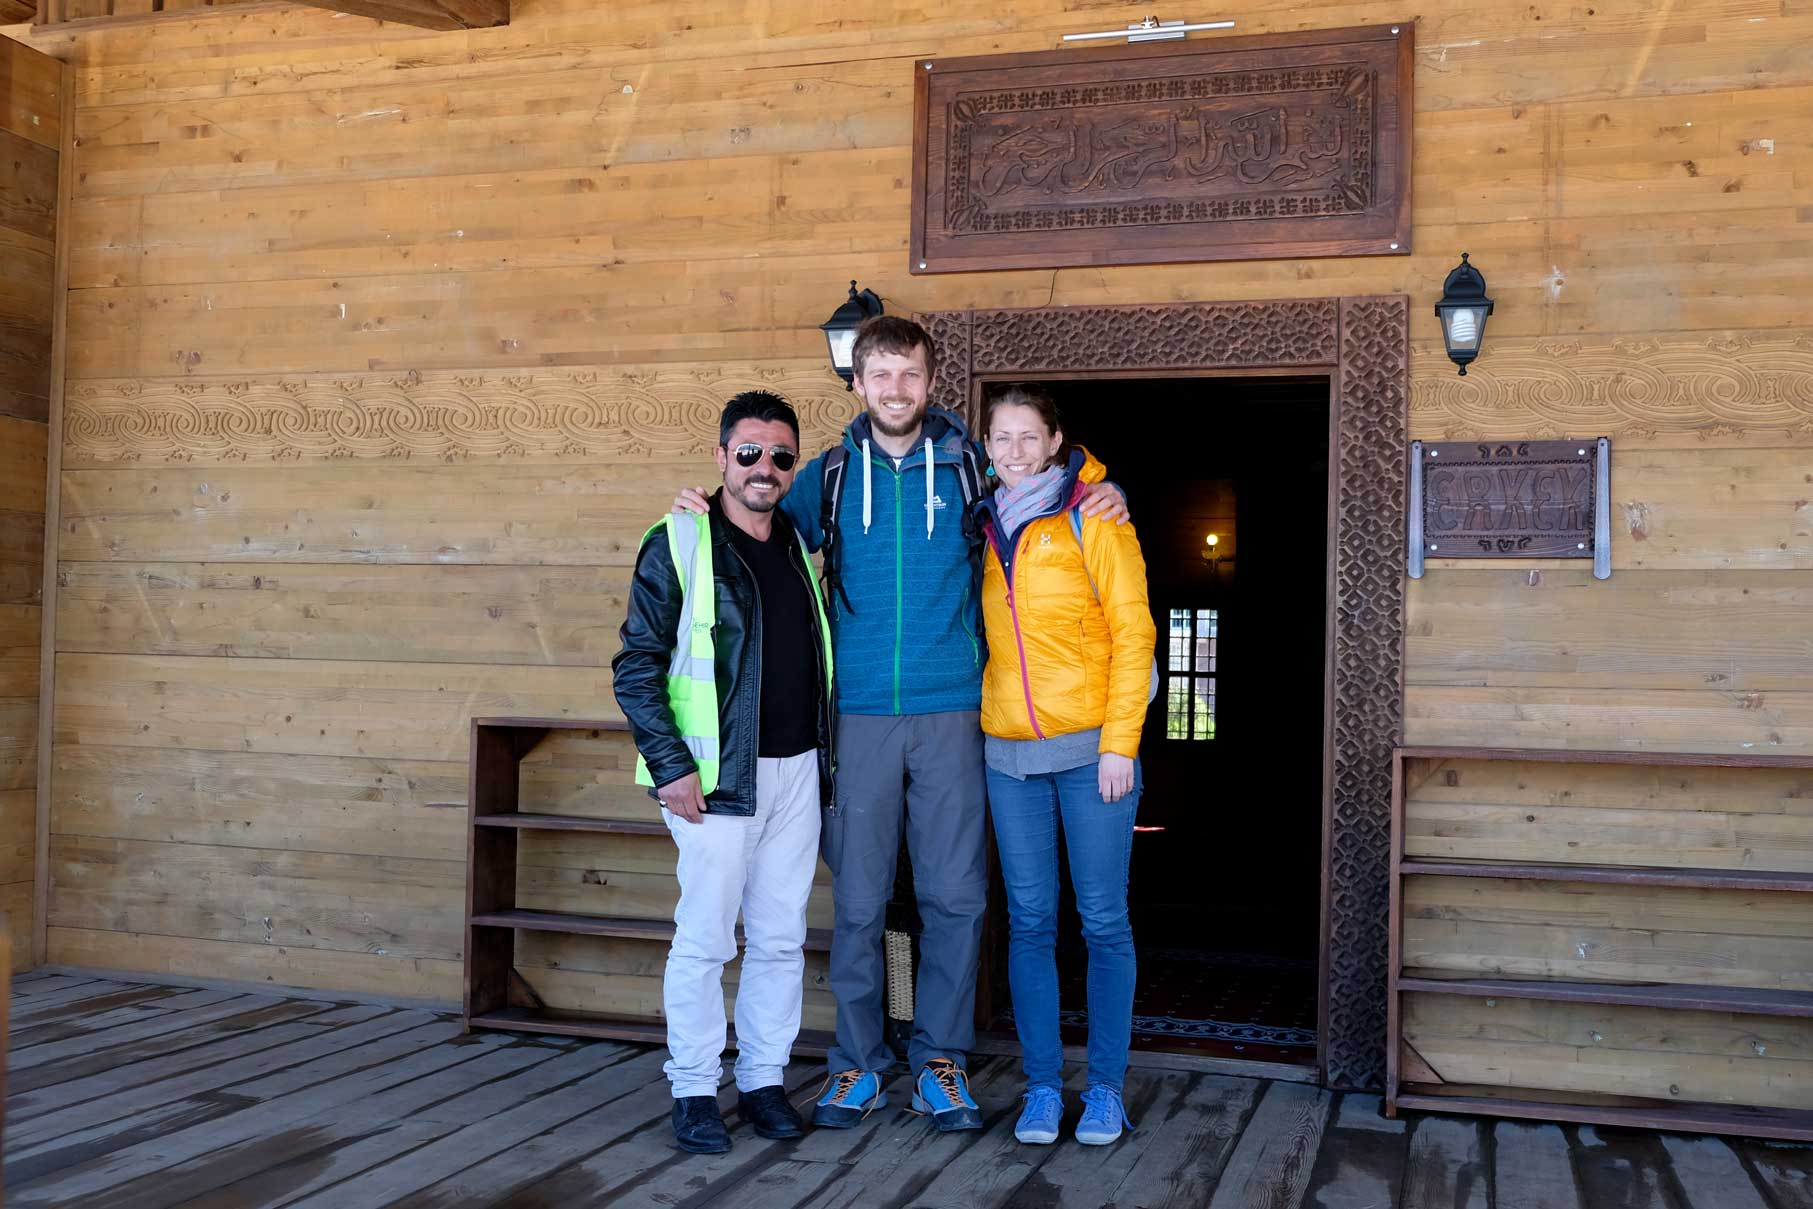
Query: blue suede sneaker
{"x": 1103, "y": 1116}
{"x": 1039, "y": 1119}
{"x": 850, "y": 1095}
{"x": 942, "y": 1089}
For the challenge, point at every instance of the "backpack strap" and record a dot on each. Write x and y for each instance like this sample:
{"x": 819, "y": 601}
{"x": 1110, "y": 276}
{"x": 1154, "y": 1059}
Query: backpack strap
{"x": 969, "y": 481}
{"x": 969, "y": 476}
{"x": 831, "y": 493}
{"x": 1076, "y": 527}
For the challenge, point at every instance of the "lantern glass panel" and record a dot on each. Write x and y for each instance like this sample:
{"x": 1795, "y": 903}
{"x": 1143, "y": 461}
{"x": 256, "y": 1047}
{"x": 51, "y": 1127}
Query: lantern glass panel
{"x": 843, "y": 347}
{"x": 1464, "y": 325}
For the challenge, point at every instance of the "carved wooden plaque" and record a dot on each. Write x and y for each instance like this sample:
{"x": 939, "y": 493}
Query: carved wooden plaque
{"x": 1220, "y": 149}
{"x": 1509, "y": 499}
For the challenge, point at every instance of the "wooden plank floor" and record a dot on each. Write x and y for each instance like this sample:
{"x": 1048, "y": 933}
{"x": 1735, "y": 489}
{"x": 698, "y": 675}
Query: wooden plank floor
{"x": 131, "y": 1095}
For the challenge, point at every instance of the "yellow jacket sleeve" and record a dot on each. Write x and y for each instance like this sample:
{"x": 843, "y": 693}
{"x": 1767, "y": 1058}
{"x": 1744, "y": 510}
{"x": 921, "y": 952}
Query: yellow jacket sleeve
{"x": 1113, "y": 556}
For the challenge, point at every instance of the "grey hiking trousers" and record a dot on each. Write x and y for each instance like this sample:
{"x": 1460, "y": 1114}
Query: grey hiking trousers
{"x": 923, "y": 772}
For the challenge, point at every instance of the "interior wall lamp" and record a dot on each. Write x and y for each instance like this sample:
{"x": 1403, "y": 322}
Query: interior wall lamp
{"x": 840, "y": 331}
{"x": 1463, "y": 310}
{"x": 1212, "y": 555}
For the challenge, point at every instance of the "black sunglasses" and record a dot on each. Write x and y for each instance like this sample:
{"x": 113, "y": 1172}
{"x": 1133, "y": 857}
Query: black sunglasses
{"x": 751, "y": 453}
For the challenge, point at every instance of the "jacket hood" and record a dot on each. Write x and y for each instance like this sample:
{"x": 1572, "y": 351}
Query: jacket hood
{"x": 944, "y": 429}
{"x": 1083, "y": 469}
{"x": 942, "y": 439}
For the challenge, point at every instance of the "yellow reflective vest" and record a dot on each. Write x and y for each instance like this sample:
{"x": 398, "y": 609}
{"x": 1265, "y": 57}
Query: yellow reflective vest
{"x": 692, "y": 675}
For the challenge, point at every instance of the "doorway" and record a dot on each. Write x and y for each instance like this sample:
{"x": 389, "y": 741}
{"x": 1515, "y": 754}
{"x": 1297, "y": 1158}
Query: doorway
{"x": 1361, "y": 346}
{"x": 1225, "y": 884}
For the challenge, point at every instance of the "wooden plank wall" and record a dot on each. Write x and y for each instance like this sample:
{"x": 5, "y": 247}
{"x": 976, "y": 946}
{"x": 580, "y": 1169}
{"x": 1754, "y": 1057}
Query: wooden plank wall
{"x": 386, "y": 345}
{"x": 31, "y": 139}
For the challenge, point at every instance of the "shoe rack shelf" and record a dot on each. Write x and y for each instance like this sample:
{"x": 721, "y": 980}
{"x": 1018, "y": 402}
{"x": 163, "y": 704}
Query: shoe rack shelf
{"x": 1413, "y": 1082}
{"x": 495, "y": 995}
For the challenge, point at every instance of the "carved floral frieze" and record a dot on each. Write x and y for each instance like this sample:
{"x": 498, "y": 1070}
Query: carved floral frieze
{"x": 1632, "y": 388}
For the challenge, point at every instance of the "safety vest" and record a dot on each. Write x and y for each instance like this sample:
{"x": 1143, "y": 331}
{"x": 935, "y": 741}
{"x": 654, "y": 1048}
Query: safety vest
{"x": 692, "y": 674}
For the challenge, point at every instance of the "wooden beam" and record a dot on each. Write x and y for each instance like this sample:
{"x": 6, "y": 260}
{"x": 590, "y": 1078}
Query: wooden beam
{"x": 53, "y": 495}
{"x": 82, "y": 16}
{"x": 426, "y": 14}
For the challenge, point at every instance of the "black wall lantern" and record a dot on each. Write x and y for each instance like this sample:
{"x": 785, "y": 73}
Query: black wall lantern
{"x": 1462, "y": 310}
{"x": 840, "y": 331}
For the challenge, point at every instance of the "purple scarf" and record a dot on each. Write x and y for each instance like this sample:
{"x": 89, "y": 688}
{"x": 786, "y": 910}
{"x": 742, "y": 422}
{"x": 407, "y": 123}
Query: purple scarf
{"x": 1034, "y": 496}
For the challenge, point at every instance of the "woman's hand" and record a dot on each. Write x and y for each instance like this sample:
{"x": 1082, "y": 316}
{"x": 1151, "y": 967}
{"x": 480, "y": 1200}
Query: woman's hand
{"x": 1114, "y": 776}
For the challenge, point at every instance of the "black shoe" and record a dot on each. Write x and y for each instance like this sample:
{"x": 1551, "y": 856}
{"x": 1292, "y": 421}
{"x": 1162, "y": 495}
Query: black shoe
{"x": 768, "y": 1110}
{"x": 698, "y": 1127}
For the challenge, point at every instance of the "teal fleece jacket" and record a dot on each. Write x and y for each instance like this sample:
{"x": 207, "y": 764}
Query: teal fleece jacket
{"x": 909, "y": 641}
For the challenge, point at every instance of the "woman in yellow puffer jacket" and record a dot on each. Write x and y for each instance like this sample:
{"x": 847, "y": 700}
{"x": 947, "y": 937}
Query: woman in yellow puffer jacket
{"x": 1064, "y": 696}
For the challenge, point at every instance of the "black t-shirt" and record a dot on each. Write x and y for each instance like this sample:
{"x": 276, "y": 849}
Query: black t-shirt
{"x": 790, "y": 658}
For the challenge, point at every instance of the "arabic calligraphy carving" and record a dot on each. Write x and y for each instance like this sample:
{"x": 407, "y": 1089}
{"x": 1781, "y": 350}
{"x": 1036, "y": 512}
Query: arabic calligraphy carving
{"x": 1228, "y": 149}
{"x": 1264, "y": 145}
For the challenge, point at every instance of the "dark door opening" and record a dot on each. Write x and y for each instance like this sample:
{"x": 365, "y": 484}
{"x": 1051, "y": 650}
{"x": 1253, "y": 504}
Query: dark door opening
{"x": 1225, "y": 882}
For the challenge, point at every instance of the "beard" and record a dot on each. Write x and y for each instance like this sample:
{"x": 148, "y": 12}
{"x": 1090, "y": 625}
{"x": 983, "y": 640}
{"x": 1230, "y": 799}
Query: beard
{"x": 764, "y": 502}
{"x": 888, "y": 426}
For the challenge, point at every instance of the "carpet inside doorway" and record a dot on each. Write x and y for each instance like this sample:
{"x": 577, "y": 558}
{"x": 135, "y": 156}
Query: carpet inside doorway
{"x": 1253, "y": 1006}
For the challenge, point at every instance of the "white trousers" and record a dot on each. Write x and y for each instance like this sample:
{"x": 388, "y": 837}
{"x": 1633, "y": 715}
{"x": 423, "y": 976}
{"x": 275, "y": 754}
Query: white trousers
{"x": 762, "y": 865}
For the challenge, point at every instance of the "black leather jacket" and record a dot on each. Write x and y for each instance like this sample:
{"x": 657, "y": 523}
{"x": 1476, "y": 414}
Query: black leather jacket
{"x": 640, "y": 669}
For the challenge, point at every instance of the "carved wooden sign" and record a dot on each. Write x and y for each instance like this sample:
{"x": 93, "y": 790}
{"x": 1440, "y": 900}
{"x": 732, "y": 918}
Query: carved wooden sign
{"x": 1224, "y": 149}
{"x": 1510, "y": 499}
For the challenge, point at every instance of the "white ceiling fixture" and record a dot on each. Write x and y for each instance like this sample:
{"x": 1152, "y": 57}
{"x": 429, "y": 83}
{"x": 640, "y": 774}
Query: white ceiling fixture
{"x": 1150, "y": 30}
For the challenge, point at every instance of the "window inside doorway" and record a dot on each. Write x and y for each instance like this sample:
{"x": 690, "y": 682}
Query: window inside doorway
{"x": 1190, "y": 674}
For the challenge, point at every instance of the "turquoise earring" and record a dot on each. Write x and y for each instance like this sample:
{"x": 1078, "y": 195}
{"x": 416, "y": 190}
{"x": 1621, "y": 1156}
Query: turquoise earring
{"x": 991, "y": 472}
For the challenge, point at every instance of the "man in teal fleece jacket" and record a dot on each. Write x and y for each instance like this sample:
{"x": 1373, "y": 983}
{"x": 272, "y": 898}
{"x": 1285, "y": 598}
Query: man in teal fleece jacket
{"x": 906, "y": 627}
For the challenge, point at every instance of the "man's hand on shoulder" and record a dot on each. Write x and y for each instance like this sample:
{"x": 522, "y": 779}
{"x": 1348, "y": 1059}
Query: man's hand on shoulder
{"x": 693, "y": 499}
{"x": 1106, "y": 501}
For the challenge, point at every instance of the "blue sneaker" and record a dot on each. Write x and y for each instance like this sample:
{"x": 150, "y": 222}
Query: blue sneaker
{"x": 850, "y": 1095}
{"x": 942, "y": 1089}
{"x": 1103, "y": 1116}
{"x": 1039, "y": 1119}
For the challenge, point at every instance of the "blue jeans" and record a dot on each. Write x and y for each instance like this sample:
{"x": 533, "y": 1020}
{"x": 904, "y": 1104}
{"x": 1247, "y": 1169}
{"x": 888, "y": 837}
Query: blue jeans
{"x": 1099, "y": 843}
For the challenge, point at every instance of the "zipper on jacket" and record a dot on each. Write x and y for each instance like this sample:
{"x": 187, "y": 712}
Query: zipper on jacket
{"x": 899, "y": 587}
{"x": 1032, "y": 715}
{"x": 969, "y": 632}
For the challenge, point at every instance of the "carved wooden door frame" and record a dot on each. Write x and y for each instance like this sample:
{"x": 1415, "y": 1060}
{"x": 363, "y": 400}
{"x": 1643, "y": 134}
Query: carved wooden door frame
{"x": 1362, "y": 344}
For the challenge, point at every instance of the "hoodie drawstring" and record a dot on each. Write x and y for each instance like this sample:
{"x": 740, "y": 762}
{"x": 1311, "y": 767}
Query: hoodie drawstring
{"x": 865, "y": 485}
{"x": 928, "y": 489}
{"x": 931, "y": 494}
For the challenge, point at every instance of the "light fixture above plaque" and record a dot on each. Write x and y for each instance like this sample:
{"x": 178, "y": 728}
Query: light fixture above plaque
{"x": 1150, "y": 30}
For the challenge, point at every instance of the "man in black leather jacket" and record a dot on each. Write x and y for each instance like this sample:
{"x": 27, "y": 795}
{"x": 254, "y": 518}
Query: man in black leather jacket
{"x": 747, "y": 823}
